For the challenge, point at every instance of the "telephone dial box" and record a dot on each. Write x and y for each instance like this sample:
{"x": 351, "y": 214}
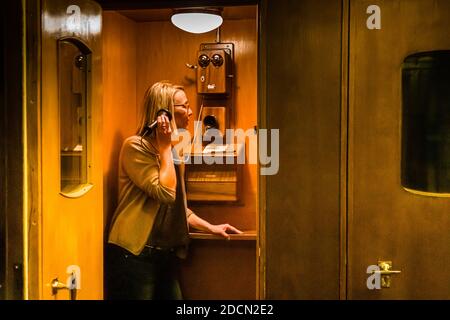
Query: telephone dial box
{"x": 214, "y": 71}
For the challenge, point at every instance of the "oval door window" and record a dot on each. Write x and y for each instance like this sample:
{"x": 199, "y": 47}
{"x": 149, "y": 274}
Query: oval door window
{"x": 74, "y": 116}
{"x": 425, "y": 164}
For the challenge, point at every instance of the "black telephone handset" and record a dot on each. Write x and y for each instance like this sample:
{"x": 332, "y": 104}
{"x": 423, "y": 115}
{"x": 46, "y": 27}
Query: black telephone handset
{"x": 149, "y": 128}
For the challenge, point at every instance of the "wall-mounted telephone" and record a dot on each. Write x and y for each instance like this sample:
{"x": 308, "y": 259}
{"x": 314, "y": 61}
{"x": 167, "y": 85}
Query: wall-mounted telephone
{"x": 214, "y": 71}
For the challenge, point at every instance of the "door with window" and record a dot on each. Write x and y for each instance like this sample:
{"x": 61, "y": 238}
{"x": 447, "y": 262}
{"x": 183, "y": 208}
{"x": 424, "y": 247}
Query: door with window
{"x": 399, "y": 151}
{"x": 72, "y": 218}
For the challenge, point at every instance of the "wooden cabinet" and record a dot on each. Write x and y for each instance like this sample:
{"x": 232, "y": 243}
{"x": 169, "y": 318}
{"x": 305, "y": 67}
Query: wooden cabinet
{"x": 217, "y": 177}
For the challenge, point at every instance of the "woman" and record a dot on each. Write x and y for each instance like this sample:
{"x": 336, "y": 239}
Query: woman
{"x": 149, "y": 229}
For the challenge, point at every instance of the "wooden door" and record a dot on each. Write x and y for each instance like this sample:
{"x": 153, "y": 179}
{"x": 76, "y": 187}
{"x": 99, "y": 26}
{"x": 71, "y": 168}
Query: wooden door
{"x": 386, "y": 222}
{"x": 72, "y": 217}
{"x": 300, "y": 204}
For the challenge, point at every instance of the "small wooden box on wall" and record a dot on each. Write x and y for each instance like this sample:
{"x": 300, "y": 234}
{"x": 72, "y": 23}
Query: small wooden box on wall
{"x": 208, "y": 182}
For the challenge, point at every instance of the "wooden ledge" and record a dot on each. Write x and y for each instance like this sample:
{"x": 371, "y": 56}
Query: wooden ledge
{"x": 247, "y": 235}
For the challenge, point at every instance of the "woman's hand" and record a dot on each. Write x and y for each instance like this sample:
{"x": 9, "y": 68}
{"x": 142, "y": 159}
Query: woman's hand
{"x": 223, "y": 230}
{"x": 163, "y": 133}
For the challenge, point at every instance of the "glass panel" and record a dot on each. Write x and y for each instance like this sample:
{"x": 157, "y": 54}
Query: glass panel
{"x": 426, "y": 122}
{"x": 73, "y": 66}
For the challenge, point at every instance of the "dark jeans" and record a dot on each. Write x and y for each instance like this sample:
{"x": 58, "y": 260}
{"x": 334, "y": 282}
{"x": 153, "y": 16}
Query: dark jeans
{"x": 150, "y": 276}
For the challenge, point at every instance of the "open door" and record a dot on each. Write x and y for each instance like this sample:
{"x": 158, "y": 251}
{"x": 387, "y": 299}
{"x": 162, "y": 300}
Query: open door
{"x": 71, "y": 249}
{"x": 399, "y": 209}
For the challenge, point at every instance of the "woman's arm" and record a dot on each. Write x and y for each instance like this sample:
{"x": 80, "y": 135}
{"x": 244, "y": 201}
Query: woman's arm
{"x": 167, "y": 175}
{"x": 220, "y": 229}
{"x": 155, "y": 178}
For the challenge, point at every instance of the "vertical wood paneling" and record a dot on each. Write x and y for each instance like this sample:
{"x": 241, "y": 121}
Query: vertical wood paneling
{"x": 119, "y": 99}
{"x": 344, "y": 147}
{"x": 33, "y": 110}
{"x": 262, "y": 122}
{"x": 12, "y": 153}
{"x": 220, "y": 270}
{"x": 303, "y": 101}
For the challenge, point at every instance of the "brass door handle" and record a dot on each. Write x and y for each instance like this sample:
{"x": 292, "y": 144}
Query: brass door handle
{"x": 385, "y": 272}
{"x": 57, "y": 285}
{"x": 385, "y": 268}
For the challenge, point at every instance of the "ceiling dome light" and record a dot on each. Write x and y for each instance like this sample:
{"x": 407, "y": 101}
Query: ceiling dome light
{"x": 197, "y": 20}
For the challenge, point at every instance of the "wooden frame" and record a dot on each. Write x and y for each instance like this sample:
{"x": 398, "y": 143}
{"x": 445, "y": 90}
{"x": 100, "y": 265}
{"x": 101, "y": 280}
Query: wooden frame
{"x": 33, "y": 107}
{"x": 262, "y": 123}
{"x": 343, "y": 252}
{"x": 12, "y": 169}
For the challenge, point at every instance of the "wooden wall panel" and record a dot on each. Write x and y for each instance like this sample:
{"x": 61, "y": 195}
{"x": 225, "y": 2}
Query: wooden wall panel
{"x": 119, "y": 98}
{"x": 303, "y": 101}
{"x": 12, "y": 154}
{"x": 33, "y": 110}
{"x": 219, "y": 270}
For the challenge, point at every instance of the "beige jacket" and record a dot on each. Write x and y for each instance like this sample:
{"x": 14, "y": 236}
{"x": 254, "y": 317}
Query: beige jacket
{"x": 140, "y": 195}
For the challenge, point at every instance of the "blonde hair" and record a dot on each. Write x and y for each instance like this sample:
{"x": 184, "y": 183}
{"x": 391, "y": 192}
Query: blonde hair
{"x": 159, "y": 96}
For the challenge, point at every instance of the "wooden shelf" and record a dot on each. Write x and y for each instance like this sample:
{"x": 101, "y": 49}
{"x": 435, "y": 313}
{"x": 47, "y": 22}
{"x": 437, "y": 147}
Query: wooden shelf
{"x": 71, "y": 154}
{"x": 247, "y": 235}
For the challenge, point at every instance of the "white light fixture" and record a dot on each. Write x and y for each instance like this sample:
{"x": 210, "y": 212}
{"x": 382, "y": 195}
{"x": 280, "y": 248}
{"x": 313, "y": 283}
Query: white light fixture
{"x": 197, "y": 20}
